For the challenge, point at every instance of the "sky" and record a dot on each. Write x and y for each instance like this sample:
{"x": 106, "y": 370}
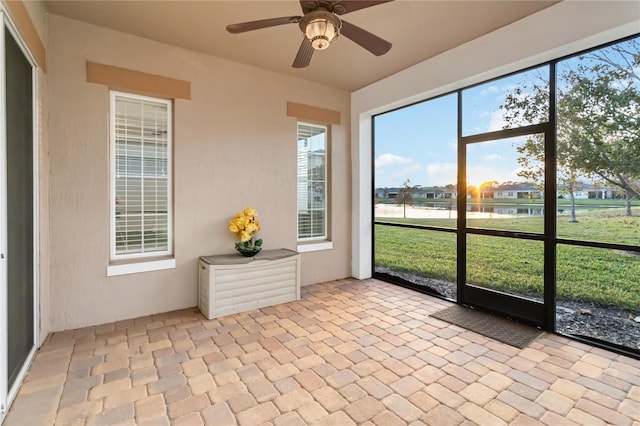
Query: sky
{"x": 419, "y": 142}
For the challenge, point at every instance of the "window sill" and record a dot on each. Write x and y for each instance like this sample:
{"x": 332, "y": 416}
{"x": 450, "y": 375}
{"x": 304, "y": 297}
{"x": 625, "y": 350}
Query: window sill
{"x": 141, "y": 266}
{"x": 314, "y": 246}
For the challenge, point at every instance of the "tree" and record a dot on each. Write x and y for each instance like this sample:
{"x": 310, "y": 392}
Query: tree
{"x": 487, "y": 186}
{"x": 605, "y": 126}
{"x": 405, "y": 196}
{"x": 472, "y": 191}
{"x": 598, "y": 110}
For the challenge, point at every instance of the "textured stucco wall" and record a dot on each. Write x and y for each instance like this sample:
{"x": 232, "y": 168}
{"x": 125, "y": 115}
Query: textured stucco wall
{"x": 234, "y": 146}
{"x": 38, "y": 16}
{"x": 44, "y": 248}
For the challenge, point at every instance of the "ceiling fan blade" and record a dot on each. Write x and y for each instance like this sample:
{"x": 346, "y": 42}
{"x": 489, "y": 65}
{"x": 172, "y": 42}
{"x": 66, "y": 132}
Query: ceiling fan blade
{"x": 303, "y": 58}
{"x": 374, "y": 44}
{"x": 345, "y": 6}
{"x": 262, "y": 23}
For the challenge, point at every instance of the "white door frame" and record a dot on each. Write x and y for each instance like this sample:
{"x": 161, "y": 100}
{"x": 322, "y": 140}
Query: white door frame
{"x": 7, "y": 395}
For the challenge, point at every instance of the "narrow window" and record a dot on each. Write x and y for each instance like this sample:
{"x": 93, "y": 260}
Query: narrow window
{"x": 312, "y": 182}
{"x": 141, "y": 169}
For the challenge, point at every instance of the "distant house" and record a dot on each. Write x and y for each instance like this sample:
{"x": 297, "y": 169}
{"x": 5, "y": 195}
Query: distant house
{"x": 450, "y": 193}
{"x": 383, "y": 193}
{"x": 580, "y": 194}
{"x": 418, "y": 192}
{"x": 604, "y": 193}
{"x": 431, "y": 192}
{"x": 389, "y": 193}
{"x": 584, "y": 191}
{"x": 487, "y": 193}
{"x": 517, "y": 191}
{"x": 580, "y": 191}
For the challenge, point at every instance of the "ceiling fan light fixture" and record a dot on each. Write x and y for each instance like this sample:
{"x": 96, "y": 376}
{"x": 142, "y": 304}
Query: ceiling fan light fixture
{"x": 321, "y": 25}
{"x": 322, "y": 29}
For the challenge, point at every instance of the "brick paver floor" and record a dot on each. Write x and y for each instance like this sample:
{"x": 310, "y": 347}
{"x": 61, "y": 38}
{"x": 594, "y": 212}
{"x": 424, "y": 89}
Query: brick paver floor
{"x": 349, "y": 352}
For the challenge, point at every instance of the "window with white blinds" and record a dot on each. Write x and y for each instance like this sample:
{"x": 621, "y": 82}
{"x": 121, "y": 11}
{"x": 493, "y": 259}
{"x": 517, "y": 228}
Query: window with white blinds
{"x": 312, "y": 182}
{"x": 141, "y": 222}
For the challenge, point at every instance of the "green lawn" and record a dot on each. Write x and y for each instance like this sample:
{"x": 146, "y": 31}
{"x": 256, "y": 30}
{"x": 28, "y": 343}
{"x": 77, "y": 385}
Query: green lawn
{"x": 604, "y": 276}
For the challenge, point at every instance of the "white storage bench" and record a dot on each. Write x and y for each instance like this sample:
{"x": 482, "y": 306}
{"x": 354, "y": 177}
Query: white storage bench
{"x": 230, "y": 283}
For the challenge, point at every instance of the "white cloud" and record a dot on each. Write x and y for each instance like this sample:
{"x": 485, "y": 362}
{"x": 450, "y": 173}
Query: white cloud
{"x": 514, "y": 175}
{"x": 492, "y": 157}
{"x": 497, "y": 121}
{"x": 392, "y": 170}
{"x": 478, "y": 174}
{"x": 407, "y": 171}
{"x": 441, "y": 174}
{"x": 510, "y": 87}
{"x": 490, "y": 89}
{"x": 391, "y": 160}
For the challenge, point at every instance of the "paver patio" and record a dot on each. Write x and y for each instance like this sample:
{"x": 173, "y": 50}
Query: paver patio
{"x": 349, "y": 352}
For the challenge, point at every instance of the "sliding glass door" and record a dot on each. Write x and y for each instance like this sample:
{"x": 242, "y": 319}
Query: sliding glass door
{"x": 17, "y": 213}
{"x": 19, "y": 154}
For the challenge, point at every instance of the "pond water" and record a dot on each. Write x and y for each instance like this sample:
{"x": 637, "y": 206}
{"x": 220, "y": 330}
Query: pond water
{"x": 477, "y": 210}
{"x": 532, "y": 209}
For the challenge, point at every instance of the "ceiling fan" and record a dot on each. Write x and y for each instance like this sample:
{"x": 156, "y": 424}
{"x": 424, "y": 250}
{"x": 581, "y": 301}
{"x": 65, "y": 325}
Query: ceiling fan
{"x": 321, "y": 26}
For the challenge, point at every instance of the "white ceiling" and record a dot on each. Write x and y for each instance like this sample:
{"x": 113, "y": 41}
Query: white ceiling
{"x": 418, "y": 30}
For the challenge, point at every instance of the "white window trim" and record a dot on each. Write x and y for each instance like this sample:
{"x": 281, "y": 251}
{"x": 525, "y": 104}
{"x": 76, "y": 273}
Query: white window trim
{"x": 135, "y": 268}
{"x": 324, "y": 245}
{"x": 308, "y": 243}
{"x": 143, "y": 265}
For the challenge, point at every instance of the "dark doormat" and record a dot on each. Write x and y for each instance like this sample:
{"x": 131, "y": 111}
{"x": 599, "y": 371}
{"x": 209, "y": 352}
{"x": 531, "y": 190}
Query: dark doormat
{"x": 495, "y": 327}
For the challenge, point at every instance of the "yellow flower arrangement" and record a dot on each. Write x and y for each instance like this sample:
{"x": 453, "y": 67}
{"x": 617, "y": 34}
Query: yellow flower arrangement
{"x": 244, "y": 226}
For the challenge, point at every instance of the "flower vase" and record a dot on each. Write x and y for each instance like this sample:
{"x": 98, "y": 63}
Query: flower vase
{"x": 249, "y": 248}
{"x": 248, "y": 252}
